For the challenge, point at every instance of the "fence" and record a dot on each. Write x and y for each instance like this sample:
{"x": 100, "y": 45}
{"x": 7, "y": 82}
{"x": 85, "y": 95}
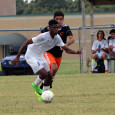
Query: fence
{"x": 77, "y": 31}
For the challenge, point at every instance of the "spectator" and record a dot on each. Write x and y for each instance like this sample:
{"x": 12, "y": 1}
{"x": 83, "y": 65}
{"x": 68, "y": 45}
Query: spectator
{"x": 100, "y": 49}
{"x": 112, "y": 43}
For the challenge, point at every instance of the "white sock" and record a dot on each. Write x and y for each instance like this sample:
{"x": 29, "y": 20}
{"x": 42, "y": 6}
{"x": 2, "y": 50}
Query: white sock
{"x": 46, "y": 88}
{"x": 38, "y": 81}
{"x": 106, "y": 64}
{"x": 93, "y": 64}
{"x": 53, "y": 78}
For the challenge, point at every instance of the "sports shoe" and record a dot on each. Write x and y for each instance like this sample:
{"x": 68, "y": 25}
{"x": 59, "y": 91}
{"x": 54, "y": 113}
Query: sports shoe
{"x": 50, "y": 89}
{"x": 37, "y": 89}
{"x": 38, "y": 92}
{"x": 106, "y": 71}
{"x": 38, "y": 96}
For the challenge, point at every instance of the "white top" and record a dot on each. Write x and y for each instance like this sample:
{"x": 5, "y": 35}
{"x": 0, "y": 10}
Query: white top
{"x": 42, "y": 43}
{"x": 103, "y": 43}
{"x": 112, "y": 42}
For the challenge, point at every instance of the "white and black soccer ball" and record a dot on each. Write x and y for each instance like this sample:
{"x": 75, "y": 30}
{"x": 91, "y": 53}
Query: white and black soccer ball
{"x": 47, "y": 96}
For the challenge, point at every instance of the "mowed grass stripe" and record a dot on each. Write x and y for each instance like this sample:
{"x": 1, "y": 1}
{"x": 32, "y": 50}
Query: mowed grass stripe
{"x": 75, "y": 94}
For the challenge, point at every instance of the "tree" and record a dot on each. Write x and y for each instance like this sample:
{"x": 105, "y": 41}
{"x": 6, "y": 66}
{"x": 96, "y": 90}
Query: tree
{"x": 50, "y": 6}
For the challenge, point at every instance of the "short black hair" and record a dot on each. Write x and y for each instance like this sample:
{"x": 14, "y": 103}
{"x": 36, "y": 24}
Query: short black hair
{"x": 102, "y": 32}
{"x": 52, "y": 22}
{"x": 58, "y": 13}
{"x": 112, "y": 31}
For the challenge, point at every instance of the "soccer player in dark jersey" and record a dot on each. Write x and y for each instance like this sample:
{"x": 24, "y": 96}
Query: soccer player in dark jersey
{"x": 54, "y": 56}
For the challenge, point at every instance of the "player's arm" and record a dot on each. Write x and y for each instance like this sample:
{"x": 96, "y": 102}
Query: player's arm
{"x": 104, "y": 49}
{"x": 70, "y": 41}
{"x": 24, "y": 45}
{"x": 94, "y": 47}
{"x": 69, "y": 34}
{"x": 70, "y": 51}
{"x": 94, "y": 51}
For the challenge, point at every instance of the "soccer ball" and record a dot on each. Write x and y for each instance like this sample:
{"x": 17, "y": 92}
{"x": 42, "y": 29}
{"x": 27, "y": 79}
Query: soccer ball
{"x": 47, "y": 96}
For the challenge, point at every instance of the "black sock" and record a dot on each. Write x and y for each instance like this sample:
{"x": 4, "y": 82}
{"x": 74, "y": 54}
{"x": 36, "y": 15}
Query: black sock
{"x": 43, "y": 84}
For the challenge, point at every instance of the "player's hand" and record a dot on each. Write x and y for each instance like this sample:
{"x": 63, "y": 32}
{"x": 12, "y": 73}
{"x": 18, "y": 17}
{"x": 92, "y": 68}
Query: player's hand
{"x": 79, "y": 52}
{"x": 96, "y": 49}
{"x": 101, "y": 49}
{"x": 15, "y": 61}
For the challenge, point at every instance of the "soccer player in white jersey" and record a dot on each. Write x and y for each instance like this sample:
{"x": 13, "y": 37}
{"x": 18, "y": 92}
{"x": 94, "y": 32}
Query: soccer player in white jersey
{"x": 100, "y": 49}
{"x": 112, "y": 43}
{"x": 36, "y": 47}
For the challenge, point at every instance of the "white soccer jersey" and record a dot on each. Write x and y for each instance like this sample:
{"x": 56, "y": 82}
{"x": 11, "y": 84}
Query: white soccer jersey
{"x": 42, "y": 43}
{"x": 112, "y": 42}
{"x": 103, "y": 44}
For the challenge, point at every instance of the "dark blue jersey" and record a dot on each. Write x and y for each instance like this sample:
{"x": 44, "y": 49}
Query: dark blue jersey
{"x": 63, "y": 32}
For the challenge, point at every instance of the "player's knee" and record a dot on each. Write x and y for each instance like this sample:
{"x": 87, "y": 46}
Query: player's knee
{"x": 110, "y": 48}
{"x": 44, "y": 75}
{"x": 104, "y": 56}
{"x": 94, "y": 56}
{"x": 54, "y": 69}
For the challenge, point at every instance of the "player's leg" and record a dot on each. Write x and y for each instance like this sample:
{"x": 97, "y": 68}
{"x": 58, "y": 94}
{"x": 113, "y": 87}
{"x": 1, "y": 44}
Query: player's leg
{"x": 43, "y": 74}
{"x": 36, "y": 67}
{"x": 95, "y": 56}
{"x": 47, "y": 82}
{"x": 53, "y": 66}
{"x": 40, "y": 67}
{"x": 104, "y": 57}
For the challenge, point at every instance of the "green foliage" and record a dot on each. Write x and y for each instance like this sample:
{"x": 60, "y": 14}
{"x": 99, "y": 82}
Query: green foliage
{"x": 46, "y": 6}
{"x": 20, "y": 7}
{"x": 50, "y": 6}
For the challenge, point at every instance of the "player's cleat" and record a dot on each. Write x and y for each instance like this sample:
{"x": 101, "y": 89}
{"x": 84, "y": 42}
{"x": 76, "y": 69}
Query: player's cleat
{"x": 38, "y": 96}
{"x": 37, "y": 89}
{"x": 50, "y": 89}
{"x": 106, "y": 71}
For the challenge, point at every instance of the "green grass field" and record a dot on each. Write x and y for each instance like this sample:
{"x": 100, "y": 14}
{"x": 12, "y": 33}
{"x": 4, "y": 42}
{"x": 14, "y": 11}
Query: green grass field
{"x": 75, "y": 94}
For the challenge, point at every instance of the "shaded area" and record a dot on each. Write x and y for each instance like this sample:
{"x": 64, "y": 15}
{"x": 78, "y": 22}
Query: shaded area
{"x": 12, "y": 38}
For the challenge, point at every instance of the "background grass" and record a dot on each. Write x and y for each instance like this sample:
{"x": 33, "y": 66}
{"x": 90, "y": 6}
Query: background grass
{"x": 69, "y": 67}
{"x": 75, "y": 94}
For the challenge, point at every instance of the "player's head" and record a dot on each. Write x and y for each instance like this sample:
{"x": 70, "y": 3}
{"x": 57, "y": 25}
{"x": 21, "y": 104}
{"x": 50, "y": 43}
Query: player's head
{"x": 58, "y": 13}
{"x": 59, "y": 17}
{"x": 112, "y": 32}
{"x": 53, "y": 26}
{"x": 100, "y": 34}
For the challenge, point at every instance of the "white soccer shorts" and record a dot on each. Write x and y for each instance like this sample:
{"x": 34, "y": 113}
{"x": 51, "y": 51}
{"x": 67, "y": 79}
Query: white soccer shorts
{"x": 37, "y": 63}
{"x": 100, "y": 55}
